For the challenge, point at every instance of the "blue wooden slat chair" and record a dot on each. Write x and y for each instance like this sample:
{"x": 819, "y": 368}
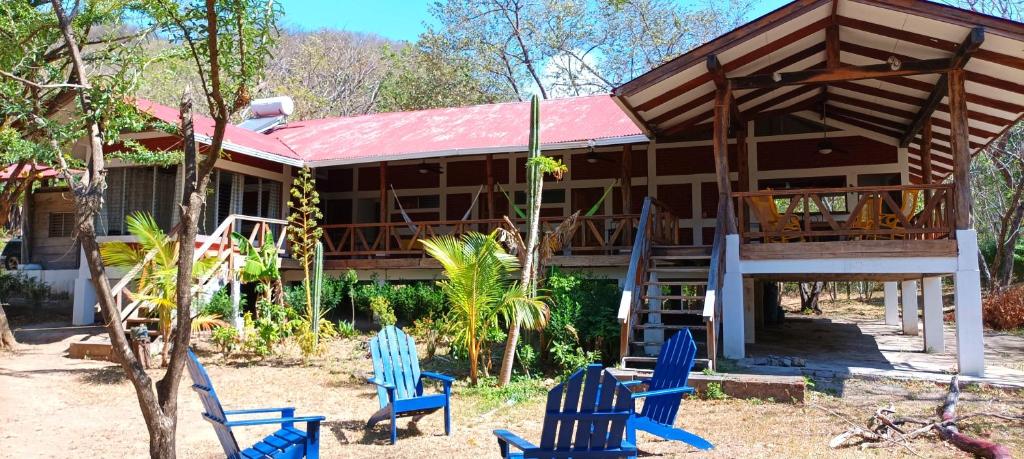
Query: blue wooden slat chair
{"x": 286, "y": 442}
{"x": 665, "y": 389}
{"x": 396, "y": 372}
{"x": 591, "y": 425}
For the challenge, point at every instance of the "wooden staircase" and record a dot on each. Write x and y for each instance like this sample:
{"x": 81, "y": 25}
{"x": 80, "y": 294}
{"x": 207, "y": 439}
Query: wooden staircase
{"x": 671, "y": 299}
{"x": 670, "y": 287}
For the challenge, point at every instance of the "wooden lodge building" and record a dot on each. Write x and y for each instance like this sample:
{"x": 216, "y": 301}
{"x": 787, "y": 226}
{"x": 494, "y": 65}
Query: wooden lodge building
{"x": 826, "y": 140}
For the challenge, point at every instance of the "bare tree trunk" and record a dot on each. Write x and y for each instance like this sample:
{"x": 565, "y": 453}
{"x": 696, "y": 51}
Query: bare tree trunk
{"x": 7, "y": 340}
{"x": 810, "y": 292}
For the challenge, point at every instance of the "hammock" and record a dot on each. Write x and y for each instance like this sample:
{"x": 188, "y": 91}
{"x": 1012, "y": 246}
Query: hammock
{"x": 590, "y": 212}
{"x": 412, "y": 224}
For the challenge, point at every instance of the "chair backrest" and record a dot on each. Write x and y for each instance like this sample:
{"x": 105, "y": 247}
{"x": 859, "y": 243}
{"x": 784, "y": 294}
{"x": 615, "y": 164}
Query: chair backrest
{"x": 909, "y": 203}
{"x": 671, "y": 370}
{"x": 395, "y": 361}
{"x": 765, "y": 210}
{"x": 214, "y": 411}
{"x": 587, "y": 412}
{"x": 867, "y": 216}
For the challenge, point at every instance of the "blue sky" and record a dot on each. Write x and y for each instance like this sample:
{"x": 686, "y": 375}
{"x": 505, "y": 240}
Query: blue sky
{"x": 394, "y": 19}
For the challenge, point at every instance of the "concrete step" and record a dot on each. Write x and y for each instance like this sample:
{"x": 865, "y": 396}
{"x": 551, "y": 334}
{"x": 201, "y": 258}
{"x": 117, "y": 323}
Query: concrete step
{"x": 670, "y": 327}
{"x": 672, "y": 311}
{"x": 674, "y": 297}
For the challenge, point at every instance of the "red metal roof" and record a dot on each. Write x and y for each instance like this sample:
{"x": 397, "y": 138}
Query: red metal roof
{"x": 478, "y": 129}
{"x": 40, "y": 172}
{"x": 235, "y": 138}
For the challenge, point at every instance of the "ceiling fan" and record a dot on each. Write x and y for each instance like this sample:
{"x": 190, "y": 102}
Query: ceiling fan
{"x": 825, "y": 146}
{"x": 430, "y": 168}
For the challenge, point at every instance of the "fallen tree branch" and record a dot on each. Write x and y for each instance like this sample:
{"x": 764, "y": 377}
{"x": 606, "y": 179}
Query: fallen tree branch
{"x": 884, "y": 428}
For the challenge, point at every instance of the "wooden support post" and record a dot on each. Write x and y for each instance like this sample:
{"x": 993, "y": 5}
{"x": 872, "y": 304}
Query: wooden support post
{"x": 720, "y": 143}
{"x": 626, "y": 185}
{"x": 743, "y": 167}
{"x": 490, "y": 187}
{"x": 958, "y": 139}
{"x": 383, "y": 192}
{"x": 926, "y": 153}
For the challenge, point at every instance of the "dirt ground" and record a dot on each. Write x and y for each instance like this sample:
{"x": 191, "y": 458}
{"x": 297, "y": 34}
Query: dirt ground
{"x": 52, "y": 406}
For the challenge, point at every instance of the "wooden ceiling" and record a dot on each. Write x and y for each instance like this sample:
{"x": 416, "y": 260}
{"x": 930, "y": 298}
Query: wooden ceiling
{"x": 877, "y": 66}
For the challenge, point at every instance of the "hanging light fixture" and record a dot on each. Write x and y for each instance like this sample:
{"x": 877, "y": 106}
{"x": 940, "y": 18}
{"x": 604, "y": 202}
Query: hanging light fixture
{"x": 592, "y": 157}
{"x": 825, "y": 146}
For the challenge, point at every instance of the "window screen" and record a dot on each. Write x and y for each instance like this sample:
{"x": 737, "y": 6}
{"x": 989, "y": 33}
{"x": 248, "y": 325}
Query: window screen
{"x": 61, "y": 224}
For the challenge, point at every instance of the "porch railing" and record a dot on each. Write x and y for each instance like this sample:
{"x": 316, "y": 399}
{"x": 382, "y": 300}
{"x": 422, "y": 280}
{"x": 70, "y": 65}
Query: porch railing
{"x": 854, "y": 213}
{"x": 597, "y": 234}
{"x": 712, "y": 312}
{"x": 218, "y": 245}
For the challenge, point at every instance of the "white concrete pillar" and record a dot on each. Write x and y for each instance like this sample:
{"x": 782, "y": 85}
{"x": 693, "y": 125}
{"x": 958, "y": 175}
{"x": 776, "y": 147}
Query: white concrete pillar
{"x": 748, "y": 311}
{"x": 733, "y": 315}
{"x": 970, "y": 337}
{"x": 653, "y": 335}
{"x": 910, "y": 307}
{"x": 892, "y": 303}
{"x": 83, "y": 310}
{"x": 931, "y": 289}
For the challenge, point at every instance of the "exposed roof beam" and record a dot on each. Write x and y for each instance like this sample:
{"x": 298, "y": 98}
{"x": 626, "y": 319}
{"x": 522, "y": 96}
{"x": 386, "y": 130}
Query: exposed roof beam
{"x": 833, "y": 110}
{"x": 931, "y": 42}
{"x": 832, "y": 46}
{"x": 895, "y": 67}
{"x": 963, "y": 54}
{"x": 765, "y": 23}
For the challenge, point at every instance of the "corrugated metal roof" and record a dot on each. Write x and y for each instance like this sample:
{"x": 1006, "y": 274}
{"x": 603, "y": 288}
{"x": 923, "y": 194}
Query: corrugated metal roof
{"x": 478, "y": 129}
{"x": 492, "y": 128}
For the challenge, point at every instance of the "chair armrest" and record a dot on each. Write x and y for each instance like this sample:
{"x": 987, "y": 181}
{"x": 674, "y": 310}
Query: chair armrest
{"x": 258, "y": 422}
{"x": 655, "y": 393}
{"x": 438, "y": 376}
{"x": 381, "y": 383}
{"x": 260, "y": 410}
{"x": 506, "y": 438}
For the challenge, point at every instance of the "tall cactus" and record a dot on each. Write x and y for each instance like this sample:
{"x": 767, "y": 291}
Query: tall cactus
{"x": 318, "y": 287}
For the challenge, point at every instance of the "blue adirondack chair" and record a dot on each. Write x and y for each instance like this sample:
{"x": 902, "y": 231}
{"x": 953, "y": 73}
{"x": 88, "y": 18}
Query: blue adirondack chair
{"x": 396, "y": 372}
{"x": 665, "y": 389}
{"x": 286, "y": 442}
{"x": 589, "y": 424}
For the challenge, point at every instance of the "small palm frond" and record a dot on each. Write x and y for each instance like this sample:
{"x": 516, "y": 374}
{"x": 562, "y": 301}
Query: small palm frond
{"x": 121, "y": 255}
{"x": 145, "y": 228}
{"x": 560, "y": 237}
{"x": 207, "y": 322}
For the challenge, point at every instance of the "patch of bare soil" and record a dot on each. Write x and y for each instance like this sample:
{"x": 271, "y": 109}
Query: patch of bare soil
{"x": 52, "y": 406}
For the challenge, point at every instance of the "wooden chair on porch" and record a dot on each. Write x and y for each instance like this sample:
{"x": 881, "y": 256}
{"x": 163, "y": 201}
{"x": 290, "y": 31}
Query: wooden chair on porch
{"x": 771, "y": 221}
{"x": 866, "y": 218}
{"x": 907, "y": 206}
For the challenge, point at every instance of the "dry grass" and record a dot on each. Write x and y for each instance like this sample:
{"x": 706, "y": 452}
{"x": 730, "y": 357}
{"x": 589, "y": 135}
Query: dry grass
{"x": 91, "y": 409}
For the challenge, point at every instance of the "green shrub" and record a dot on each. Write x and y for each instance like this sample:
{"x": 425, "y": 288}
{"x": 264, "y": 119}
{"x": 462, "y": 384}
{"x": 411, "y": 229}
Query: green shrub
{"x": 273, "y": 325}
{"x": 347, "y": 329}
{"x": 571, "y": 358}
{"x": 226, "y": 339}
{"x": 333, "y": 294}
{"x": 714, "y": 392}
{"x": 219, "y": 304}
{"x": 29, "y": 288}
{"x": 383, "y": 313}
{"x": 584, "y": 310}
{"x": 410, "y": 301}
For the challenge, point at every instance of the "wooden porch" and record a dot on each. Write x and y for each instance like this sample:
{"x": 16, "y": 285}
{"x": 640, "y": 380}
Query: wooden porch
{"x": 851, "y": 222}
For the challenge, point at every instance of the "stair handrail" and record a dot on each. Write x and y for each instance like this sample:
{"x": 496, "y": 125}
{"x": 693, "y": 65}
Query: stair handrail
{"x": 716, "y": 272}
{"x": 649, "y": 228}
{"x": 221, "y": 233}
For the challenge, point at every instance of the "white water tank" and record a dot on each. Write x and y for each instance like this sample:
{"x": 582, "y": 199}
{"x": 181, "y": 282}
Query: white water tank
{"x": 272, "y": 106}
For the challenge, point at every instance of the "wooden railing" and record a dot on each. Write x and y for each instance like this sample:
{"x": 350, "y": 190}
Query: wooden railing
{"x": 657, "y": 225}
{"x": 598, "y": 234}
{"x": 219, "y": 245}
{"x": 713, "y": 293}
{"x": 825, "y": 214}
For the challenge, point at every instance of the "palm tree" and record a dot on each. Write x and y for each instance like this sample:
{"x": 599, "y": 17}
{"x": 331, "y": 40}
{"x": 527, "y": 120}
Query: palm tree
{"x": 156, "y": 281}
{"x": 480, "y": 291}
